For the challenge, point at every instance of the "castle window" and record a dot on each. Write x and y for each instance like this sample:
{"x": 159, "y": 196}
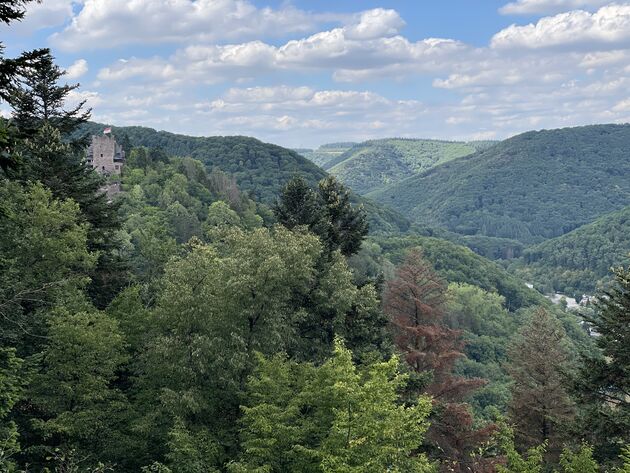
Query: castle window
{"x": 103, "y": 168}
{"x": 101, "y": 155}
{"x": 116, "y": 166}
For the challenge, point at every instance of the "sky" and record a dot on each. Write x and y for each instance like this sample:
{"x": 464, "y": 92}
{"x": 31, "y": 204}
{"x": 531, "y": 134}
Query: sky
{"x": 304, "y": 73}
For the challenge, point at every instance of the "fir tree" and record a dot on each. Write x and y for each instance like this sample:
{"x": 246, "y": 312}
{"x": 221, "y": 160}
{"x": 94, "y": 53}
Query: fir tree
{"x": 540, "y": 407}
{"x": 38, "y": 98}
{"x": 328, "y": 213}
{"x": 603, "y": 382}
{"x": 414, "y": 301}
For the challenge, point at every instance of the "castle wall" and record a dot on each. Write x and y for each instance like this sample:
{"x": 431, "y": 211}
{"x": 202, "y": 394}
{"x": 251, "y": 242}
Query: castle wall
{"x": 105, "y": 155}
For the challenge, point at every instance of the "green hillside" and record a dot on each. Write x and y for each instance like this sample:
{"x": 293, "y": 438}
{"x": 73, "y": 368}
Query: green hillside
{"x": 531, "y": 187}
{"x": 574, "y": 263}
{"x": 260, "y": 169}
{"x": 458, "y": 264}
{"x": 325, "y": 154}
{"x": 376, "y": 164}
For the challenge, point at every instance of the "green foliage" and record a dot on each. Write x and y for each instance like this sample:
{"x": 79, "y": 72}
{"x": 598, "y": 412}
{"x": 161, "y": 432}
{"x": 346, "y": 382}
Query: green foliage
{"x": 38, "y": 99}
{"x": 530, "y": 462}
{"x": 331, "y": 418}
{"x": 533, "y": 186}
{"x": 327, "y": 213}
{"x": 576, "y": 263}
{"x": 603, "y": 382}
{"x": 11, "y": 390}
{"x": 43, "y": 257}
{"x": 578, "y": 461}
{"x": 72, "y": 388}
{"x": 376, "y": 164}
{"x": 487, "y": 327}
{"x": 458, "y": 264}
{"x": 60, "y": 168}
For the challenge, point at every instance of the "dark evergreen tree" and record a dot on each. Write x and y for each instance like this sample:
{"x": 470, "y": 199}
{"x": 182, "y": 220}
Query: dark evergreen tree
{"x": 603, "y": 382}
{"x": 299, "y": 205}
{"x": 327, "y": 213}
{"x": 347, "y": 225}
{"x": 38, "y": 98}
{"x": 540, "y": 408}
{"x": 10, "y": 71}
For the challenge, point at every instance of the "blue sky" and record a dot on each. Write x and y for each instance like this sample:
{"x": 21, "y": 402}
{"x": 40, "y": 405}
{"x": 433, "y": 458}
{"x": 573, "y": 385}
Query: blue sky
{"x": 301, "y": 73}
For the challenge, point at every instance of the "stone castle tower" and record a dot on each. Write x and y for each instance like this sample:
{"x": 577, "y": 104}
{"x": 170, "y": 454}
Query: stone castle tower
{"x": 105, "y": 155}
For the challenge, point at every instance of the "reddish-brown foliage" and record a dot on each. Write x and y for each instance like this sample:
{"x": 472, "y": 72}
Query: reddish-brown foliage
{"x": 414, "y": 301}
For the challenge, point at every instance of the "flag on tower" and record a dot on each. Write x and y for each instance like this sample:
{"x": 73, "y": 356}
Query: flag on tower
{"x": 107, "y": 131}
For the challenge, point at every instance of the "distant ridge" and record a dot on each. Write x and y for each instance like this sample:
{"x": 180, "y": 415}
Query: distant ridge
{"x": 377, "y": 164}
{"x": 531, "y": 187}
{"x": 260, "y": 169}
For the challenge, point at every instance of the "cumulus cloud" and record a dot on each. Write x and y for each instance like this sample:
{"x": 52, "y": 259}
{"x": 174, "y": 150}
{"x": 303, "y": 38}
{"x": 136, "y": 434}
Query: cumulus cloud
{"x": 77, "y": 69}
{"x": 369, "y": 45}
{"x": 110, "y": 23}
{"x": 567, "y": 69}
{"x": 530, "y": 7}
{"x": 610, "y": 25}
{"x": 375, "y": 23}
{"x": 42, "y": 15}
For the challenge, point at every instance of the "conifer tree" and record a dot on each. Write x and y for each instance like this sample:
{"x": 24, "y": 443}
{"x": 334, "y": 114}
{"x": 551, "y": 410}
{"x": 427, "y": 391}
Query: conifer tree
{"x": 299, "y": 205}
{"x": 38, "y": 98}
{"x": 328, "y": 213}
{"x": 61, "y": 169}
{"x": 540, "y": 407}
{"x": 414, "y": 301}
{"x": 603, "y": 381}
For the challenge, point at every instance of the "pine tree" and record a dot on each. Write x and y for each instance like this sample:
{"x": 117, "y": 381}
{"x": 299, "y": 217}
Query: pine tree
{"x": 414, "y": 301}
{"x": 327, "y": 213}
{"x": 38, "y": 98}
{"x": 540, "y": 407}
{"x": 299, "y": 205}
{"x": 10, "y": 72}
{"x": 603, "y": 382}
{"x": 347, "y": 225}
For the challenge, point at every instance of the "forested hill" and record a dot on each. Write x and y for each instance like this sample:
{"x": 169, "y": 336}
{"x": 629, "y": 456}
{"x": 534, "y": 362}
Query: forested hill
{"x": 260, "y": 169}
{"x": 325, "y": 153}
{"x": 376, "y": 164}
{"x": 531, "y": 187}
{"x": 574, "y": 263}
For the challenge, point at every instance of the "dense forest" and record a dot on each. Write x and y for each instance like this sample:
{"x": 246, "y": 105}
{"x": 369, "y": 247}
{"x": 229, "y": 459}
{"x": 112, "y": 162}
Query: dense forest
{"x": 260, "y": 169}
{"x": 531, "y": 187}
{"x": 579, "y": 261}
{"x": 376, "y": 164}
{"x": 233, "y": 309}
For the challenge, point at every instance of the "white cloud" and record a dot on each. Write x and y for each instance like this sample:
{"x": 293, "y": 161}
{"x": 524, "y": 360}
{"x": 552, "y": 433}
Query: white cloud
{"x": 530, "y": 7}
{"x": 338, "y": 50}
{"x": 375, "y": 23}
{"x": 40, "y": 15}
{"x": 622, "y": 106}
{"x": 77, "y": 69}
{"x": 609, "y": 26}
{"x": 91, "y": 98}
{"x": 568, "y": 69}
{"x": 109, "y": 23}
